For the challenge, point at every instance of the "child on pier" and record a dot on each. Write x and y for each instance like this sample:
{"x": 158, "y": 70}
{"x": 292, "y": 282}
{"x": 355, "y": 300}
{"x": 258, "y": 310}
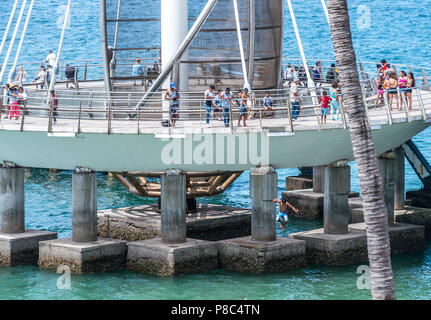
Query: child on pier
{"x": 282, "y": 217}
{"x": 325, "y": 100}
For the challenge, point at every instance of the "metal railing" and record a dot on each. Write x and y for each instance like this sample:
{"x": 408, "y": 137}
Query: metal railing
{"x": 113, "y": 113}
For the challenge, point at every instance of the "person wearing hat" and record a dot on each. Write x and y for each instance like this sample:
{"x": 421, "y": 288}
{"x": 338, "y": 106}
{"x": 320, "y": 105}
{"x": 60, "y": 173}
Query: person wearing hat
{"x": 14, "y": 101}
{"x": 295, "y": 99}
{"x": 173, "y": 96}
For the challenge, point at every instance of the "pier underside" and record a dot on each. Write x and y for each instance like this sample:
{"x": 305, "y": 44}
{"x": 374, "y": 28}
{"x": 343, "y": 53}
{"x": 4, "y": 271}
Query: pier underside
{"x": 209, "y": 150}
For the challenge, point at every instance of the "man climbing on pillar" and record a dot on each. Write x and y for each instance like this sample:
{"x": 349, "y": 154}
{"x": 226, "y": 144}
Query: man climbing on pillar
{"x": 282, "y": 217}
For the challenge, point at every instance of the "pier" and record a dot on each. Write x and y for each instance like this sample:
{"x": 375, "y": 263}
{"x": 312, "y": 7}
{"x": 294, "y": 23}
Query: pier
{"x": 116, "y": 122}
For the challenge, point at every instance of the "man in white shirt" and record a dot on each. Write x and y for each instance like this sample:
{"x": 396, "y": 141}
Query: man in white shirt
{"x": 51, "y": 58}
{"x": 295, "y": 99}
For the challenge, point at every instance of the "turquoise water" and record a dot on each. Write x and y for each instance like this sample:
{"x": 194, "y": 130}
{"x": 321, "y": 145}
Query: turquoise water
{"x": 48, "y": 195}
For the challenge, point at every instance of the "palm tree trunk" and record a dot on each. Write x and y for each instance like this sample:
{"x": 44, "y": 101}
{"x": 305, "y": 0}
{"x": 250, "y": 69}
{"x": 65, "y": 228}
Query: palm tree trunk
{"x": 375, "y": 211}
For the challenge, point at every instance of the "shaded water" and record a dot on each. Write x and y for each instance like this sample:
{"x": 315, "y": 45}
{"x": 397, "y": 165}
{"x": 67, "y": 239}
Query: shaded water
{"x": 48, "y": 195}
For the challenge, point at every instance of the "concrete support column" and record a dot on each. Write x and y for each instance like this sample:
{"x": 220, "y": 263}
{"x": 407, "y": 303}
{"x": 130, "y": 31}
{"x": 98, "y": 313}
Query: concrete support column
{"x": 336, "y": 199}
{"x": 263, "y": 190}
{"x": 387, "y": 171}
{"x": 84, "y": 206}
{"x": 399, "y": 179}
{"x": 173, "y": 203}
{"x": 318, "y": 175}
{"x": 12, "y": 200}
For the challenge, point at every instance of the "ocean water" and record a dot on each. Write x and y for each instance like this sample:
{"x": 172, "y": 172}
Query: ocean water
{"x": 48, "y": 195}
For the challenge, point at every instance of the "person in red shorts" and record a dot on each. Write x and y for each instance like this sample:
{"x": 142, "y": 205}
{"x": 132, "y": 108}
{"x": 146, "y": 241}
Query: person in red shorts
{"x": 325, "y": 101}
{"x": 14, "y": 102}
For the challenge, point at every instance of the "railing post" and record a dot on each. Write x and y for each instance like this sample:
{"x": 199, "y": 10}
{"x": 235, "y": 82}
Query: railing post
{"x": 79, "y": 117}
{"x": 50, "y": 116}
{"x": 425, "y": 80}
{"x": 260, "y": 111}
{"x": 139, "y": 116}
{"x": 23, "y": 115}
{"x": 404, "y": 99}
{"x": 109, "y": 116}
{"x": 388, "y": 110}
{"x": 85, "y": 70}
{"x": 61, "y": 71}
{"x": 421, "y": 103}
{"x": 289, "y": 110}
{"x": 343, "y": 114}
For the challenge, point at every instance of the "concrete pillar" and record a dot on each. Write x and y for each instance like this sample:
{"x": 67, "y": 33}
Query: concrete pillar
{"x": 318, "y": 175}
{"x": 387, "y": 171}
{"x": 12, "y": 200}
{"x": 336, "y": 200}
{"x": 173, "y": 203}
{"x": 399, "y": 179}
{"x": 84, "y": 206}
{"x": 263, "y": 190}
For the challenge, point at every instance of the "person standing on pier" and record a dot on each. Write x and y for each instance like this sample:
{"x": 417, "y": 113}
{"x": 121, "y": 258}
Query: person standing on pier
{"x": 21, "y": 77}
{"x": 295, "y": 99}
{"x": 243, "y": 108}
{"x": 335, "y": 103}
{"x": 54, "y": 101}
{"x": 50, "y": 59}
{"x": 209, "y": 100}
{"x": 218, "y": 105}
{"x": 325, "y": 100}
{"x": 411, "y": 83}
{"x": 392, "y": 89}
{"x": 402, "y": 82}
{"x": 226, "y": 104}
{"x": 173, "y": 96}
{"x": 138, "y": 70}
{"x": 14, "y": 102}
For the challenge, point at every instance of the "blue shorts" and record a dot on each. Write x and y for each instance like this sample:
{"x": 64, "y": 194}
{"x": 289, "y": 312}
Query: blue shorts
{"x": 243, "y": 110}
{"x": 324, "y": 111}
{"x": 282, "y": 217}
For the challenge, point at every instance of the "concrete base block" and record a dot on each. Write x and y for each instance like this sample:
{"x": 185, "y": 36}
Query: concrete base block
{"x": 210, "y": 222}
{"x": 308, "y": 202}
{"x": 245, "y": 255}
{"x": 22, "y": 248}
{"x": 99, "y": 256}
{"x": 161, "y": 259}
{"x": 416, "y": 216}
{"x": 298, "y": 183}
{"x": 403, "y": 237}
{"x": 420, "y": 198}
{"x": 334, "y": 249}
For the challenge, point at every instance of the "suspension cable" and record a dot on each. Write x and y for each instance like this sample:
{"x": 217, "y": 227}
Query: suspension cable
{"x": 24, "y": 31}
{"x": 12, "y": 41}
{"x": 3, "y": 42}
{"x": 241, "y": 45}
{"x": 60, "y": 46}
{"x": 325, "y": 9}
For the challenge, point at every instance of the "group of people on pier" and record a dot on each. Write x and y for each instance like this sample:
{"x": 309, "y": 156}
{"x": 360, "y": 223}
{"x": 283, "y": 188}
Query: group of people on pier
{"x": 394, "y": 86}
{"x": 219, "y": 103}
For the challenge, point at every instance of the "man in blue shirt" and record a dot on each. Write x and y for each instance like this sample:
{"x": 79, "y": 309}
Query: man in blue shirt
{"x": 226, "y": 104}
{"x": 138, "y": 70}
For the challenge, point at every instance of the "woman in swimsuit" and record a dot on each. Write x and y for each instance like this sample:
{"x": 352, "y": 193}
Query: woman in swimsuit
{"x": 335, "y": 103}
{"x": 402, "y": 82}
{"x": 380, "y": 92}
{"x": 392, "y": 89}
{"x": 411, "y": 83}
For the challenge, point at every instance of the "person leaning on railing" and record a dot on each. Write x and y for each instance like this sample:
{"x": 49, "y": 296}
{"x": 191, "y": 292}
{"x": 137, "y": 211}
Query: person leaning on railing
{"x": 70, "y": 75}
